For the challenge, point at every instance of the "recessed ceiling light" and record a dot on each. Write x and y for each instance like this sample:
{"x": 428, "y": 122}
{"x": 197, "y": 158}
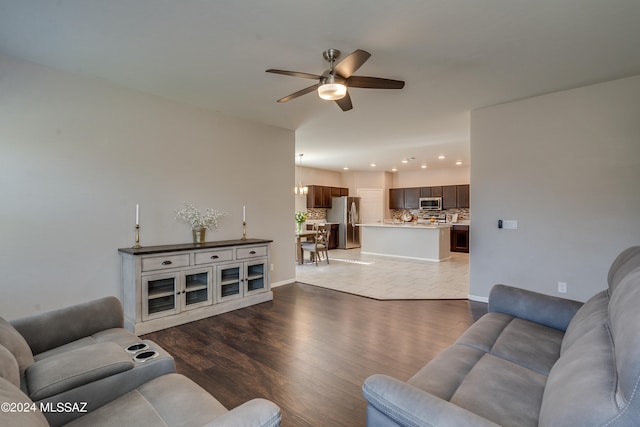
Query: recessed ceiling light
{"x": 405, "y": 161}
{"x": 441, "y": 156}
{"x": 345, "y": 168}
{"x": 373, "y": 165}
{"x": 394, "y": 169}
{"x": 458, "y": 163}
{"x": 423, "y": 166}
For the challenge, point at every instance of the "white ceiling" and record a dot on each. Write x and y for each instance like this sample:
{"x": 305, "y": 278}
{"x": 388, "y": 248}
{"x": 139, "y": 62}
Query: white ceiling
{"x": 455, "y": 56}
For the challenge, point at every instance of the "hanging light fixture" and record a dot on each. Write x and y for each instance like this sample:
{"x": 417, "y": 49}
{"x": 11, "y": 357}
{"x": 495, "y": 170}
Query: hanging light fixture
{"x": 332, "y": 88}
{"x": 300, "y": 189}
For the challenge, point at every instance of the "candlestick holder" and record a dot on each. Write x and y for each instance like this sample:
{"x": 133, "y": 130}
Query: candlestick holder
{"x": 244, "y": 230}
{"x": 137, "y": 244}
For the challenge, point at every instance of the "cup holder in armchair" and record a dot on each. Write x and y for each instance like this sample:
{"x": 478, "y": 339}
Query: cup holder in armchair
{"x": 143, "y": 356}
{"x": 134, "y": 348}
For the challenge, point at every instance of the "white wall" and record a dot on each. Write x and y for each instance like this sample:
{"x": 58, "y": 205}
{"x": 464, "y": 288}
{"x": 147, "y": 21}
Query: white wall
{"x": 77, "y": 154}
{"x": 432, "y": 177}
{"x": 567, "y": 167}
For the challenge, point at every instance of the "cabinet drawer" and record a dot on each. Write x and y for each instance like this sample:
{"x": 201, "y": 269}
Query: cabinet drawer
{"x": 253, "y": 252}
{"x": 162, "y": 262}
{"x": 214, "y": 256}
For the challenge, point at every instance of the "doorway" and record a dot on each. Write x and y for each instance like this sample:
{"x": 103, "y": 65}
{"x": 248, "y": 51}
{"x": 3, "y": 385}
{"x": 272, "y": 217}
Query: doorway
{"x": 371, "y": 202}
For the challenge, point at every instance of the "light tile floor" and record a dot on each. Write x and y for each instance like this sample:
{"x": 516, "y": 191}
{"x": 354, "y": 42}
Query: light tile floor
{"x": 387, "y": 277}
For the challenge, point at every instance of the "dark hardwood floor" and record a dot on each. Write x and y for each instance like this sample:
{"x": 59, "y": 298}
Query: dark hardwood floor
{"x": 310, "y": 349}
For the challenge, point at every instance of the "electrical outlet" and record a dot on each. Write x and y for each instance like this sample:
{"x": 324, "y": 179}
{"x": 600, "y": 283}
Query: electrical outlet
{"x": 271, "y": 267}
{"x": 562, "y": 287}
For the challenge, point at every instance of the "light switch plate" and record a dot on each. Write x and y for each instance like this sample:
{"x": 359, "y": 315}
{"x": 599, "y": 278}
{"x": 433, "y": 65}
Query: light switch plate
{"x": 510, "y": 224}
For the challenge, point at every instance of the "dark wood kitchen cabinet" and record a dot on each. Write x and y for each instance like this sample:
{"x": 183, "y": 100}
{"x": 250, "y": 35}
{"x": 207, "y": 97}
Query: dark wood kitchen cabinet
{"x": 449, "y": 197}
{"x": 462, "y": 196}
{"x": 460, "y": 238}
{"x": 411, "y": 198}
{"x": 319, "y": 196}
{"x": 315, "y": 196}
{"x": 404, "y": 198}
{"x": 396, "y": 198}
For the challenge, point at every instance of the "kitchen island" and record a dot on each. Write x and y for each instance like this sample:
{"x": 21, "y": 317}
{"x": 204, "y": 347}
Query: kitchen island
{"x": 424, "y": 242}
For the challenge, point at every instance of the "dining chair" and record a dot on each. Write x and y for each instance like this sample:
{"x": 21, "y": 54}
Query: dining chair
{"x": 319, "y": 245}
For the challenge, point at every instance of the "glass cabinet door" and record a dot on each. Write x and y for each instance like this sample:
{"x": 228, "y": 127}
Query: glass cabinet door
{"x": 229, "y": 281}
{"x": 197, "y": 288}
{"x": 255, "y": 276}
{"x": 160, "y": 295}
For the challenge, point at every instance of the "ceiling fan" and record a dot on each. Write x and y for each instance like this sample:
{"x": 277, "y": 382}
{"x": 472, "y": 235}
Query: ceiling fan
{"x": 333, "y": 83}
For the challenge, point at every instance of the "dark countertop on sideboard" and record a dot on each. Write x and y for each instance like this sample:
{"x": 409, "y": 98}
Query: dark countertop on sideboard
{"x": 146, "y": 250}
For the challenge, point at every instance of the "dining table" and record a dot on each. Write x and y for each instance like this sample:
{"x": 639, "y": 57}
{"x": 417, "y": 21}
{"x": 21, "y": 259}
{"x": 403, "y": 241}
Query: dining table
{"x": 299, "y": 236}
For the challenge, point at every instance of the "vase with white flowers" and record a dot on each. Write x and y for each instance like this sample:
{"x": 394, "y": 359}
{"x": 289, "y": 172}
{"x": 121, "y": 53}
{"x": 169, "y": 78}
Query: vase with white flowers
{"x": 198, "y": 221}
{"x": 301, "y": 217}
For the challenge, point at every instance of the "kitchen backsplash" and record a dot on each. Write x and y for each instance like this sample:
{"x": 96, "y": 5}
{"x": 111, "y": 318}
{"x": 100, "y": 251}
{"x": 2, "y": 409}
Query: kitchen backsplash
{"x": 463, "y": 213}
{"x": 316, "y": 213}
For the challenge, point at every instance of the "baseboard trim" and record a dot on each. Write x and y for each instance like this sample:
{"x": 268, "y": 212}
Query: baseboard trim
{"x": 478, "y": 298}
{"x": 282, "y": 282}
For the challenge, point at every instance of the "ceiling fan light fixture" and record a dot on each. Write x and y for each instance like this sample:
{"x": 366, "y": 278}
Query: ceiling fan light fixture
{"x": 332, "y": 91}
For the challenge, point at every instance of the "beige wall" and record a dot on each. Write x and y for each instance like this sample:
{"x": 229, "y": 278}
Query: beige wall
{"x": 77, "y": 154}
{"x": 566, "y": 166}
{"x": 432, "y": 177}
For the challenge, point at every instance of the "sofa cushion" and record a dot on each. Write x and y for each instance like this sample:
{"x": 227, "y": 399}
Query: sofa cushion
{"x": 120, "y": 336}
{"x": 596, "y": 381}
{"x": 45, "y": 331}
{"x": 582, "y": 380}
{"x": 499, "y": 356}
{"x": 594, "y": 313}
{"x": 169, "y": 400}
{"x": 9, "y": 369}
{"x": 62, "y": 372}
{"x": 10, "y": 394}
{"x": 628, "y": 260}
{"x": 524, "y": 343}
{"x": 16, "y": 344}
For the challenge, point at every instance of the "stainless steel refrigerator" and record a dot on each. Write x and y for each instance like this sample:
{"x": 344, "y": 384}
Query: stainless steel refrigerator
{"x": 345, "y": 211}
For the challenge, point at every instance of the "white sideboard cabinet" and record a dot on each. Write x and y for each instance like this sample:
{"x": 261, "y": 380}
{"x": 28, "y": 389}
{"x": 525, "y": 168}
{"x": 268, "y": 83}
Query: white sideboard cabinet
{"x": 164, "y": 286}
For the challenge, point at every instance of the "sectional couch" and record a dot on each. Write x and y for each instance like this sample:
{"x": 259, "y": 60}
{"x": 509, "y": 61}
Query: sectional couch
{"x": 532, "y": 360}
{"x": 78, "y": 366}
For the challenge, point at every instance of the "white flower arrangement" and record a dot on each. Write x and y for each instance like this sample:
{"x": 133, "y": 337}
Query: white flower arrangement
{"x": 196, "y": 219}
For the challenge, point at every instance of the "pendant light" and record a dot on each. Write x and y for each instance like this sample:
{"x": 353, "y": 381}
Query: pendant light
{"x": 300, "y": 189}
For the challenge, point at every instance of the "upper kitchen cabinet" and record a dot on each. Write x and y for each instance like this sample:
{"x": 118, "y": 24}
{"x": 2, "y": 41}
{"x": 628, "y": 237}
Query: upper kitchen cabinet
{"x": 453, "y": 196}
{"x": 315, "y": 196}
{"x": 462, "y": 196}
{"x": 436, "y": 191}
{"x": 319, "y": 196}
{"x": 412, "y": 198}
{"x": 396, "y": 198}
{"x": 449, "y": 197}
{"x": 404, "y": 198}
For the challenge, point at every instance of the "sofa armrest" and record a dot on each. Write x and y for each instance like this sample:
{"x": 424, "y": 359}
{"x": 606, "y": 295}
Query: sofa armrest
{"x": 407, "y": 405}
{"x": 52, "y": 329}
{"x": 62, "y": 372}
{"x": 254, "y": 413}
{"x": 544, "y": 309}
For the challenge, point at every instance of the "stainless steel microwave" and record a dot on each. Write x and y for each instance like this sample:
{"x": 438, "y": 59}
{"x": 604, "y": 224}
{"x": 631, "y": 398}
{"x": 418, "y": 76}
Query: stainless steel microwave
{"x": 431, "y": 203}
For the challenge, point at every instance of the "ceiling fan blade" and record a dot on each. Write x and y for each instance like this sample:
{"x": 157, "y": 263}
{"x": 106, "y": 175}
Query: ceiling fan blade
{"x": 293, "y": 73}
{"x": 299, "y": 93}
{"x": 350, "y": 63}
{"x": 374, "y": 83}
{"x": 345, "y": 103}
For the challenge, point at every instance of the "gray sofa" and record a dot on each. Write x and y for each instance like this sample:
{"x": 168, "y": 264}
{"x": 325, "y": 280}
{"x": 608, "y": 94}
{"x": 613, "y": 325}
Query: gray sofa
{"x": 532, "y": 360}
{"x": 78, "y": 366}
